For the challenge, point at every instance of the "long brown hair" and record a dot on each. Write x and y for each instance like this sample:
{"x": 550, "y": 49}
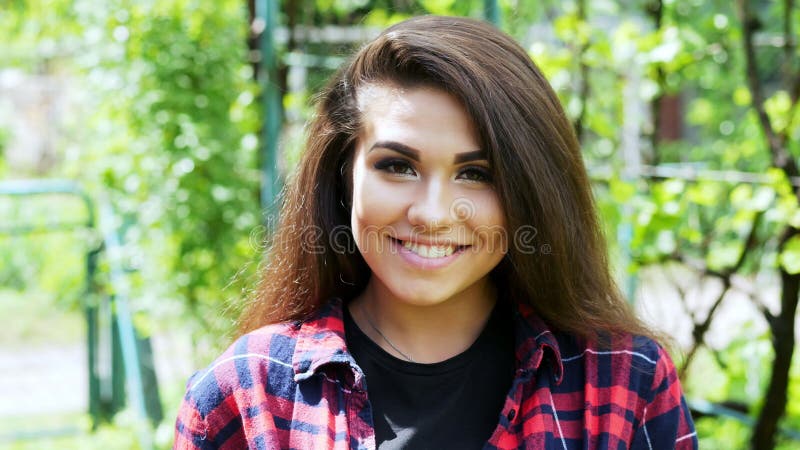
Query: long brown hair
{"x": 557, "y": 260}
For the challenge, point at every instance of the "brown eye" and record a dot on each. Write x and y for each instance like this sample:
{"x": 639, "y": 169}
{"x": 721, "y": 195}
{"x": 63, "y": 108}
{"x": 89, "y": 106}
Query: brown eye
{"x": 477, "y": 174}
{"x": 395, "y": 166}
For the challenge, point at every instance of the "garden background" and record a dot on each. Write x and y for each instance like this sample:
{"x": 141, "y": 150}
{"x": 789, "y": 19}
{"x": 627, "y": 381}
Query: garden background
{"x": 163, "y": 130}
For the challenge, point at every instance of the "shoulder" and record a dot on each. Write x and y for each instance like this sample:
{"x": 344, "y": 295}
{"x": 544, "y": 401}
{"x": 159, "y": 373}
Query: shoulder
{"x": 632, "y": 377}
{"x": 637, "y": 363}
{"x": 640, "y": 350}
{"x": 662, "y": 418}
{"x": 255, "y": 361}
{"x": 252, "y": 379}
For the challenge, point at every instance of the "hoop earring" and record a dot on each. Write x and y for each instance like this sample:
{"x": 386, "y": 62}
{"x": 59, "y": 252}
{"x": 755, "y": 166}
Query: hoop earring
{"x": 345, "y": 183}
{"x": 341, "y": 278}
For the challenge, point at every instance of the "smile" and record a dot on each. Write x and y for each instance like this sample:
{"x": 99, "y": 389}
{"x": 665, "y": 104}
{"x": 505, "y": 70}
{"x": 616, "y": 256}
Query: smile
{"x": 429, "y": 251}
{"x": 428, "y": 256}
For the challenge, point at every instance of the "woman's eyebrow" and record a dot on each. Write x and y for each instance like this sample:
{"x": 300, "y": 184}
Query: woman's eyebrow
{"x": 414, "y": 153}
{"x": 403, "y": 149}
{"x": 476, "y": 155}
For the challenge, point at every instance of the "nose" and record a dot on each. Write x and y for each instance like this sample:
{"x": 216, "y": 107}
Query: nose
{"x": 430, "y": 210}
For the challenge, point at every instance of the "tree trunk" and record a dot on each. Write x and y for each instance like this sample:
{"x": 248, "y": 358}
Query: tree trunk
{"x": 655, "y": 9}
{"x": 783, "y": 343}
{"x": 252, "y": 38}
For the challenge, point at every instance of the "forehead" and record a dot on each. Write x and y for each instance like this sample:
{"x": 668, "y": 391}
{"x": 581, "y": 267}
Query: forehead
{"x": 423, "y": 117}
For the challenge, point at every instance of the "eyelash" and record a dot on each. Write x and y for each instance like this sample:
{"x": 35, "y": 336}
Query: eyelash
{"x": 386, "y": 165}
{"x": 391, "y": 165}
{"x": 484, "y": 173}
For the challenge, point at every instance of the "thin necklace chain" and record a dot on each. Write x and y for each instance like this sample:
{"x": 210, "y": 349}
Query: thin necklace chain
{"x": 372, "y": 324}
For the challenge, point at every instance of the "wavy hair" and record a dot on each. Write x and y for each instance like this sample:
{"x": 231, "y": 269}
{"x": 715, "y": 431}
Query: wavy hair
{"x": 539, "y": 175}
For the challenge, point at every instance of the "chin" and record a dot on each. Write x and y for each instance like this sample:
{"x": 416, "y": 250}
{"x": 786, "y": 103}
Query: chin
{"x": 421, "y": 295}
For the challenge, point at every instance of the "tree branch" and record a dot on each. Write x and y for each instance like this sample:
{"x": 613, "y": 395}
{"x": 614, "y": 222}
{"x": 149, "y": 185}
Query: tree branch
{"x": 655, "y": 9}
{"x": 781, "y": 325}
{"x": 701, "y": 328}
{"x": 583, "y": 89}
{"x": 794, "y": 96}
{"x": 790, "y": 79}
{"x": 780, "y": 155}
{"x": 788, "y": 39}
{"x": 783, "y": 344}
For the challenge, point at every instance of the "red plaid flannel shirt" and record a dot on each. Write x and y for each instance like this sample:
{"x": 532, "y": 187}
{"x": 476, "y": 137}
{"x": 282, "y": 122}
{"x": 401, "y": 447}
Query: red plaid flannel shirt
{"x": 294, "y": 385}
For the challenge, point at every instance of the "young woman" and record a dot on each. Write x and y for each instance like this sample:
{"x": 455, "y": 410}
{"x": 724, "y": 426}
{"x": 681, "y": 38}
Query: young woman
{"x": 439, "y": 277}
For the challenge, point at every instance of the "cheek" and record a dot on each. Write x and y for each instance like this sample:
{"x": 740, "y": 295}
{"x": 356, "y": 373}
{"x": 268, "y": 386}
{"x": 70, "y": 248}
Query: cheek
{"x": 375, "y": 204}
{"x": 488, "y": 222}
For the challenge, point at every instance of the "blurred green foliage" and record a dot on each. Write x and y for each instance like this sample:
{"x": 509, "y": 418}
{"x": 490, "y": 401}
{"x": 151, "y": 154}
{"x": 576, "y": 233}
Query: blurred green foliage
{"x": 167, "y": 118}
{"x": 164, "y": 126}
{"x": 708, "y": 217}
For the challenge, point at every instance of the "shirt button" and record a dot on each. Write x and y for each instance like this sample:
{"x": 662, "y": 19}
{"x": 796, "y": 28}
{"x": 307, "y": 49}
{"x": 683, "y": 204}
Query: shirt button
{"x": 511, "y": 415}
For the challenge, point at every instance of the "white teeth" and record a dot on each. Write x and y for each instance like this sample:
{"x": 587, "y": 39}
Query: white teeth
{"x": 430, "y": 251}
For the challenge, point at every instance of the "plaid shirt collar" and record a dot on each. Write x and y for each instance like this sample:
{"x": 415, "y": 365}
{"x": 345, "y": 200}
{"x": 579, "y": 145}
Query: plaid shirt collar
{"x": 321, "y": 342}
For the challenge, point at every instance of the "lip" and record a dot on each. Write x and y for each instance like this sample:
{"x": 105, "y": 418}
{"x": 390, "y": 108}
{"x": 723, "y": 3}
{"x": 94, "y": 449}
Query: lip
{"x": 419, "y": 262}
{"x": 429, "y": 242}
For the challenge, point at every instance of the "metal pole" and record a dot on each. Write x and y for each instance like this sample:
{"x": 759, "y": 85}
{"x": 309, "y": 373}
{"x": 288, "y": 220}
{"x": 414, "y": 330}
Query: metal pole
{"x": 90, "y": 309}
{"x": 92, "y": 324}
{"x": 267, "y": 10}
{"x": 632, "y": 160}
{"x": 491, "y": 12}
{"x": 124, "y": 322}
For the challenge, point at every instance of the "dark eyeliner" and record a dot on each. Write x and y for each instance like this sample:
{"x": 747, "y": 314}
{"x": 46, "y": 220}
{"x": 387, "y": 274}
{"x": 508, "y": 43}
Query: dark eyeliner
{"x": 385, "y": 164}
{"x": 483, "y": 171}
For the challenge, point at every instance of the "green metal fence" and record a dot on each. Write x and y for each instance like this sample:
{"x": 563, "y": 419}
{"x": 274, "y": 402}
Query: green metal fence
{"x": 107, "y": 317}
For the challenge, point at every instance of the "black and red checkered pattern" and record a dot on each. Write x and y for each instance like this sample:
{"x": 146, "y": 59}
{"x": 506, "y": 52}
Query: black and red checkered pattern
{"x": 294, "y": 385}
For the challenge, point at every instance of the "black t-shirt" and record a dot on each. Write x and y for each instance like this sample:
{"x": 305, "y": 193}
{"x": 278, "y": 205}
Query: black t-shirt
{"x": 454, "y": 403}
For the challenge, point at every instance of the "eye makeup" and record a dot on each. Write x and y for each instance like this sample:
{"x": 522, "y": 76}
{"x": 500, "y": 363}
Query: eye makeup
{"x": 483, "y": 174}
{"x": 400, "y": 166}
{"x": 391, "y": 165}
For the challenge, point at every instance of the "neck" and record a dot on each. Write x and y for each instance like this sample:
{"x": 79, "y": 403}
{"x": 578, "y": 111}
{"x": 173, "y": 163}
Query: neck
{"x": 425, "y": 333}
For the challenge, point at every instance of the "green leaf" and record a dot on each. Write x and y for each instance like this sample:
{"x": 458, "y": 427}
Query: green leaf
{"x": 741, "y": 96}
{"x": 789, "y": 258}
{"x": 621, "y": 191}
{"x": 704, "y": 193}
{"x": 740, "y": 195}
{"x": 701, "y": 111}
{"x": 441, "y": 7}
{"x": 762, "y": 198}
{"x": 778, "y": 107}
{"x": 723, "y": 255}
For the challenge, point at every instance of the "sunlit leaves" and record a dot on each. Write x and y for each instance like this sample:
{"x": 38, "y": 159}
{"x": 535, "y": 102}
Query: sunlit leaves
{"x": 778, "y": 108}
{"x": 570, "y": 28}
{"x": 705, "y": 194}
{"x": 790, "y": 255}
{"x": 723, "y": 254}
{"x": 621, "y": 191}
{"x": 746, "y": 197}
{"x": 441, "y": 7}
{"x": 167, "y": 130}
{"x": 741, "y": 96}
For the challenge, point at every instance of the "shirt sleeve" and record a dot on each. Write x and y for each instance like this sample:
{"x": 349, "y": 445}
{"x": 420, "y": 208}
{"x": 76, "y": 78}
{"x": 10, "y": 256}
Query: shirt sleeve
{"x": 209, "y": 417}
{"x": 191, "y": 430}
{"x": 227, "y": 405}
{"x": 666, "y": 421}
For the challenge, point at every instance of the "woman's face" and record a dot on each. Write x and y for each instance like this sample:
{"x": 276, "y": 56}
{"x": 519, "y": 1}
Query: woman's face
{"x": 425, "y": 216}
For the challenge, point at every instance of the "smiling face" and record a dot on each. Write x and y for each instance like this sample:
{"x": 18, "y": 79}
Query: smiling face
{"x": 425, "y": 215}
